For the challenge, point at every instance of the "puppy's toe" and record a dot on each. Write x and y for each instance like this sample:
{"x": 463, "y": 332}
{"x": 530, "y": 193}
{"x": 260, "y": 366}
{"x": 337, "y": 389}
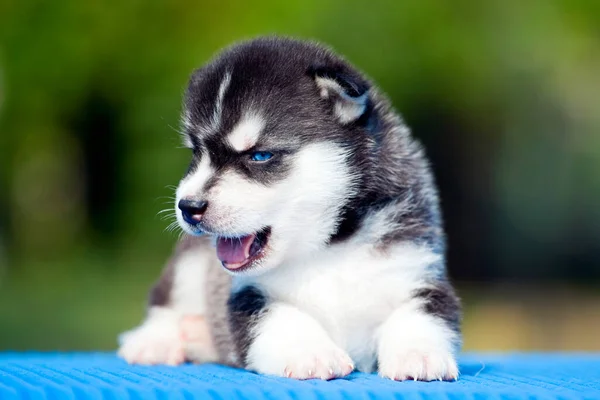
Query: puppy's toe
{"x": 322, "y": 362}
{"x": 419, "y": 364}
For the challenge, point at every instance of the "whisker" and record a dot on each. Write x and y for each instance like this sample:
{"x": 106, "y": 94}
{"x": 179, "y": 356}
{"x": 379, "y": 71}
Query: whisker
{"x": 166, "y": 197}
{"x": 165, "y": 210}
{"x": 176, "y": 130}
{"x": 172, "y": 226}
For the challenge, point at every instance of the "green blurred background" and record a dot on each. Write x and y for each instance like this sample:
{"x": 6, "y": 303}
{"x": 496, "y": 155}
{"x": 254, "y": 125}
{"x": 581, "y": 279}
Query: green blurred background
{"x": 505, "y": 94}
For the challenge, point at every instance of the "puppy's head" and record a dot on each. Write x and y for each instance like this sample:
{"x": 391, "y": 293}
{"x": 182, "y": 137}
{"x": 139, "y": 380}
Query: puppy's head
{"x": 276, "y": 128}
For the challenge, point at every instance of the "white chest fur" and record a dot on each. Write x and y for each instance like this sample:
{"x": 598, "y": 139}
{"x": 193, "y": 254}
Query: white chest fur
{"x": 350, "y": 290}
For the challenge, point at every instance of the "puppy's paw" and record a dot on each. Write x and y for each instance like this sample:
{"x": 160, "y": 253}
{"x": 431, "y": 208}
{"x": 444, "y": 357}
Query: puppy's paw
{"x": 326, "y": 363}
{"x": 417, "y": 346}
{"x": 303, "y": 362}
{"x": 290, "y": 343}
{"x": 151, "y": 344}
{"x": 167, "y": 338}
{"x": 316, "y": 357}
{"x": 418, "y": 364}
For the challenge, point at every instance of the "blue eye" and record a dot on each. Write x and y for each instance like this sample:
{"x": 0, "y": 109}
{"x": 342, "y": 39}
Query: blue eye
{"x": 261, "y": 156}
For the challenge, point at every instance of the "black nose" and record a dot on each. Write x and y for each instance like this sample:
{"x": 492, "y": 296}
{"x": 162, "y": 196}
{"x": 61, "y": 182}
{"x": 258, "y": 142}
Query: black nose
{"x": 192, "y": 210}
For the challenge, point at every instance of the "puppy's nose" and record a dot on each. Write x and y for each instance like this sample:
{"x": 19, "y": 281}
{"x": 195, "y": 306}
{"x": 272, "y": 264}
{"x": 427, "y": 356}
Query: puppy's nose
{"x": 192, "y": 210}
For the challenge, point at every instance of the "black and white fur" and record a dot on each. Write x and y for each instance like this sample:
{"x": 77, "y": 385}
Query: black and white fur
{"x": 353, "y": 274}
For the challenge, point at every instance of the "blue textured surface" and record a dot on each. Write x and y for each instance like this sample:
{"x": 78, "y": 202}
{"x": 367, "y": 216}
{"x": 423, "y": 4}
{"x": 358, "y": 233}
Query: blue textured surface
{"x": 103, "y": 376}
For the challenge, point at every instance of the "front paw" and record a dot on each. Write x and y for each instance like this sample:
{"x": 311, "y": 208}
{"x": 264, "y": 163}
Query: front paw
{"x": 321, "y": 361}
{"x": 323, "y": 364}
{"x": 423, "y": 364}
{"x": 417, "y": 346}
{"x": 288, "y": 342}
{"x": 151, "y": 344}
{"x": 167, "y": 338}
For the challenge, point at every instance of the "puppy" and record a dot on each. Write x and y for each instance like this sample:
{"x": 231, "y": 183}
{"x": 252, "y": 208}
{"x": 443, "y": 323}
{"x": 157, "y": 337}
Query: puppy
{"x": 314, "y": 242}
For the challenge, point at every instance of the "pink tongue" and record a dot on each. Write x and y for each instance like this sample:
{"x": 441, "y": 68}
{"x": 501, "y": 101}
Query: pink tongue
{"x": 234, "y": 251}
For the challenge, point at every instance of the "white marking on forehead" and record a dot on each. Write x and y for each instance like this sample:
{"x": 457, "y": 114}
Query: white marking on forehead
{"x": 246, "y": 133}
{"x": 193, "y": 184}
{"x": 216, "y": 118}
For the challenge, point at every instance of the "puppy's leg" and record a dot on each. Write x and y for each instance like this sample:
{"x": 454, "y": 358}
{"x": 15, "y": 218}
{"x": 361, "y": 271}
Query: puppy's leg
{"x": 175, "y": 328}
{"x": 418, "y": 341}
{"x": 279, "y": 339}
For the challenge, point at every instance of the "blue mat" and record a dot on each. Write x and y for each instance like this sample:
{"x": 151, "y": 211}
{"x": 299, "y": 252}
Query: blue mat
{"x": 103, "y": 376}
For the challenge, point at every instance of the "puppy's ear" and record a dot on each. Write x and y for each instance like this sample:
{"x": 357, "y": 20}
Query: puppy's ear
{"x": 348, "y": 92}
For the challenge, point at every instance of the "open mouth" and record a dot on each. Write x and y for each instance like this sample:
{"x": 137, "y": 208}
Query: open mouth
{"x": 238, "y": 253}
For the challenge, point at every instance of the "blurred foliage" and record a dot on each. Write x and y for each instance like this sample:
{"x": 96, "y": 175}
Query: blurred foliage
{"x": 503, "y": 93}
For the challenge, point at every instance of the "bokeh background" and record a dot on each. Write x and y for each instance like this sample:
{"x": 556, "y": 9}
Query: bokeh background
{"x": 505, "y": 94}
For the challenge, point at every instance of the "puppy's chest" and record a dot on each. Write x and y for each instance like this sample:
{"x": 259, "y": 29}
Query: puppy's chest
{"x": 350, "y": 294}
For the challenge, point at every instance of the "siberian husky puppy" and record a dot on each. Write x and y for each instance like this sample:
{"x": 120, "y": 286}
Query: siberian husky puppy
{"x": 314, "y": 243}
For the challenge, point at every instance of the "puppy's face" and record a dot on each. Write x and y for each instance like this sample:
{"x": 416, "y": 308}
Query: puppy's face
{"x": 272, "y": 154}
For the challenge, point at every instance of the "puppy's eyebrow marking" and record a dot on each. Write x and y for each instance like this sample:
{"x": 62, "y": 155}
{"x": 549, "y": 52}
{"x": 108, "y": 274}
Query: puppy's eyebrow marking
{"x": 246, "y": 133}
{"x": 216, "y": 117}
{"x": 215, "y": 120}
